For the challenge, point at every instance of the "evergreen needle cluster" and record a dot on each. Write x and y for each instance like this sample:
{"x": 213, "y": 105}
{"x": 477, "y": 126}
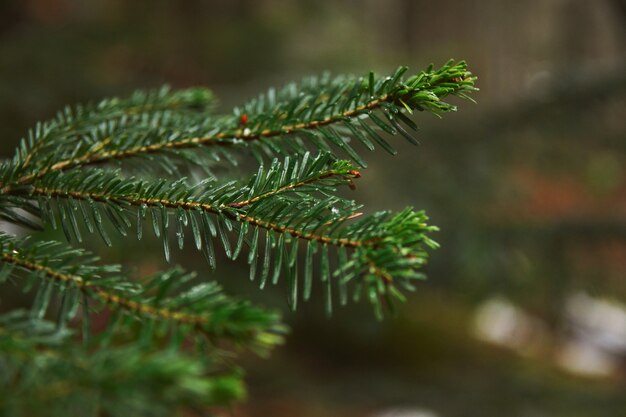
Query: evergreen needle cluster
{"x": 161, "y": 162}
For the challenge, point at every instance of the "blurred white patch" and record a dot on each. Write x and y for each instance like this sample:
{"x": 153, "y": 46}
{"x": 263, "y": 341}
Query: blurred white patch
{"x": 539, "y": 81}
{"x": 499, "y": 321}
{"x": 593, "y": 346}
{"x": 599, "y": 322}
{"x": 598, "y": 340}
{"x": 583, "y": 358}
{"x": 406, "y": 412}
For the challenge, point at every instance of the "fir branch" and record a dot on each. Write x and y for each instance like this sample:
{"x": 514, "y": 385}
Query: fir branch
{"x": 73, "y": 125}
{"x": 322, "y": 175}
{"x": 108, "y": 297}
{"x": 341, "y": 102}
{"x": 293, "y": 200}
{"x": 45, "y": 372}
{"x": 383, "y": 248}
{"x": 92, "y": 129}
{"x": 232, "y": 210}
{"x": 289, "y": 206}
{"x": 202, "y": 309}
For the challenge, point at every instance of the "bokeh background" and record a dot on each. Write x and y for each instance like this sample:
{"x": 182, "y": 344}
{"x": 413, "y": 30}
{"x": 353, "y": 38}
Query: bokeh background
{"x": 524, "y": 311}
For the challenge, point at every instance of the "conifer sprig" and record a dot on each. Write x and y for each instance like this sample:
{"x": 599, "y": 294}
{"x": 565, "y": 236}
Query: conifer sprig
{"x": 42, "y": 369}
{"x": 288, "y": 220}
{"x": 290, "y": 202}
{"x": 321, "y": 112}
{"x": 293, "y": 199}
{"x": 92, "y": 128}
{"x": 75, "y": 277}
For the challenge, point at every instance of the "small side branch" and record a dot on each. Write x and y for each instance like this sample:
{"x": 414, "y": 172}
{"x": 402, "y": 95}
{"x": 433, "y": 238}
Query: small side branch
{"x": 106, "y": 296}
{"x": 232, "y": 213}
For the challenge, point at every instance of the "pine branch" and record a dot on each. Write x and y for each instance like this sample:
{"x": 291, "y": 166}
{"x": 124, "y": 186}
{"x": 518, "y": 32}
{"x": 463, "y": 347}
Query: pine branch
{"x": 302, "y": 178}
{"x": 94, "y": 128}
{"x": 78, "y": 279}
{"x": 45, "y": 373}
{"x": 96, "y": 124}
{"x": 291, "y": 201}
{"x": 323, "y": 111}
{"x": 60, "y": 175}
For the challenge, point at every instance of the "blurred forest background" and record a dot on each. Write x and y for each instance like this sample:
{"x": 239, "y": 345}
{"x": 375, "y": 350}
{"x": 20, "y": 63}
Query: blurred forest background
{"x": 524, "y": 312}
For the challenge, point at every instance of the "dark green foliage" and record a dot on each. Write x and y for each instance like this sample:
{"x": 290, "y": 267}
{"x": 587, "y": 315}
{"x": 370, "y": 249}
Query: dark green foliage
{"x": 84, "y": 286}
{"x": 44, "y": 373}
{"x": 287, "y": 221}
